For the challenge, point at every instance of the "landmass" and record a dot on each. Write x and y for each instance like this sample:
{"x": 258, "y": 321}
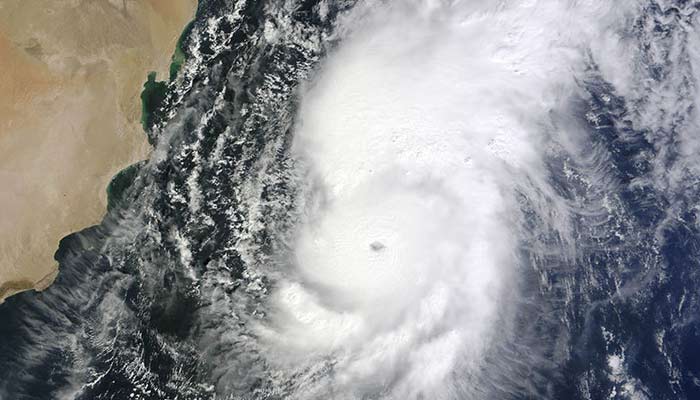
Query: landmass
{"x": 71, "y": 77}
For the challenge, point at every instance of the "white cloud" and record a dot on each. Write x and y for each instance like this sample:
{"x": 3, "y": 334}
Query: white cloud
{"x": 418, "y": 130}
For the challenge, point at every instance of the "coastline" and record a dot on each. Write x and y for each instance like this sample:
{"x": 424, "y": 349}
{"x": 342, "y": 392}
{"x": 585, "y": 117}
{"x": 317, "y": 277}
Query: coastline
{"x": 71, "y": 123}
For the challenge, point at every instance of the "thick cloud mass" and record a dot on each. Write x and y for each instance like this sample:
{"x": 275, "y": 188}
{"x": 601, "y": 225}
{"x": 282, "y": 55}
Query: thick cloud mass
{"x": 417, "y": 135}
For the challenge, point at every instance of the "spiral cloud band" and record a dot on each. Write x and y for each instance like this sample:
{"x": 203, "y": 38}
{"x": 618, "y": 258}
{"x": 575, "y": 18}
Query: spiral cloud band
{"x": 419, "y": 132}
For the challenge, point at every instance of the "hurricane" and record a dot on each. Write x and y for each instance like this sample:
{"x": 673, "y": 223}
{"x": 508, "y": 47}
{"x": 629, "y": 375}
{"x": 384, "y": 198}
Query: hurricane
{"x": 415, "y": 199}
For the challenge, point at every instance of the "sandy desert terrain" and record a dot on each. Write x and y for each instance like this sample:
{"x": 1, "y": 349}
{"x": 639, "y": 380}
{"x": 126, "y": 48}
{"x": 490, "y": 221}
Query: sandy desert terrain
{"x": 71, "y": 72}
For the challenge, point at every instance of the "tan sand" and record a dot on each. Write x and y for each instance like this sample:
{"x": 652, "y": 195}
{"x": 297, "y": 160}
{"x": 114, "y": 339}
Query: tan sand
{"x": 71, "y": 73}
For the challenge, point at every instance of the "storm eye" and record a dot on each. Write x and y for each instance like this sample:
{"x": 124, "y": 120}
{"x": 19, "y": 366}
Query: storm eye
{"x": 377, "y": 246}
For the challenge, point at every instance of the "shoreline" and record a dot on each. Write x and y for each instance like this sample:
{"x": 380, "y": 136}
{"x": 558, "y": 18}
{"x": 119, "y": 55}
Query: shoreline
{"x": 71, "y": 124}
